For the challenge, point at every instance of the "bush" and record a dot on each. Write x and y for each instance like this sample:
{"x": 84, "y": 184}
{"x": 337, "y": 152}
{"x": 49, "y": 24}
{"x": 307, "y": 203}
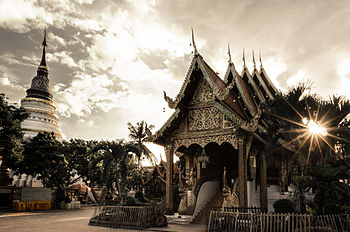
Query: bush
{"x": 139, "y": 196}
{"x": 130, "y": 202}
{"x": 283, "y": 206}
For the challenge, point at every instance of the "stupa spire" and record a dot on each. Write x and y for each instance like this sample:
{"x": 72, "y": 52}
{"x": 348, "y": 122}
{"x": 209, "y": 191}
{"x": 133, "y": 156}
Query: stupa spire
{"x": 194, "y": 44}
{"x": 43, "y": 58}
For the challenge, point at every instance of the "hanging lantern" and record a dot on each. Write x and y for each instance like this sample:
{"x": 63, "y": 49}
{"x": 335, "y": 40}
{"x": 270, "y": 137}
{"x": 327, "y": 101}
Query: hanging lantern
{"x": 203, "y": 159}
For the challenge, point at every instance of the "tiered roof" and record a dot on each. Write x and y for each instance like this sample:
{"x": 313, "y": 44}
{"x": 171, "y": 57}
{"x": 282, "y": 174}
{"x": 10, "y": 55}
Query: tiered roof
{"x": 238, "y": 95}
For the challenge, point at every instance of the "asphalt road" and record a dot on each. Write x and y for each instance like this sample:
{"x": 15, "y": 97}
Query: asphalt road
{"x": 66, "y": 221}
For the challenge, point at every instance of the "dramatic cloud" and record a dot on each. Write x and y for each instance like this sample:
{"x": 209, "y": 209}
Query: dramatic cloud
{"x": 109, "y": 61}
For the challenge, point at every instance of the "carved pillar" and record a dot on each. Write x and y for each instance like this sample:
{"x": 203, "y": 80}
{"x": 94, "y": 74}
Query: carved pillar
{"x": 242, "y": 172}
{"x": 188, "y": 166}
{"x": 197, "y": 165}
{"x": 169, "y": 152}
{"x": 263, "y": 182}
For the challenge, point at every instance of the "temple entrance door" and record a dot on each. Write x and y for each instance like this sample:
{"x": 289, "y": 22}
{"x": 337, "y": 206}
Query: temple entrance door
{"x": 221, "y": 156}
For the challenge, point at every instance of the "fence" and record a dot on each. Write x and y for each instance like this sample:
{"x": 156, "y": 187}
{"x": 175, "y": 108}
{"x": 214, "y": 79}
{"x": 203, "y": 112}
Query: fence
{"x": 238, "y": 209}
{"x": 134, "y": 217}
{"x": 253, "y": 222}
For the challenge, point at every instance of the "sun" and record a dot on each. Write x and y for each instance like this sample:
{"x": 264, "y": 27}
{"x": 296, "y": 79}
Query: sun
{"x": 311, "y": 133}
{"x": 314, "y": 128}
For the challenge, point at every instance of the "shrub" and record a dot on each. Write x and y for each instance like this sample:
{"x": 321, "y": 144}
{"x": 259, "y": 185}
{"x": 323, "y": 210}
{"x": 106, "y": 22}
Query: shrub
{"x": 283, "y": 206}
{"x": 130, "y": 202}
{"x": 138, "y": 195}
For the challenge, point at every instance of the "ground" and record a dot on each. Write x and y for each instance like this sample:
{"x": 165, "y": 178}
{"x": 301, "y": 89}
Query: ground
{"x": 68, "y": 220}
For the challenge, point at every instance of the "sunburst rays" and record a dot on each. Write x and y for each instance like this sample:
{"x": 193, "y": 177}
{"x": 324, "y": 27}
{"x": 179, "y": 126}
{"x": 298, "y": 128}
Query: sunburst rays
{"x": 312, "y": 132}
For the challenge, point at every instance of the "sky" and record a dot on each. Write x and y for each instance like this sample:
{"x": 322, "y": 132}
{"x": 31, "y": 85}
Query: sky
{"x": 109, "y": 61}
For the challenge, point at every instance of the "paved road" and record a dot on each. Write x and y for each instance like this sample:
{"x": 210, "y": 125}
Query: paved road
{"x": 68, "y": 220}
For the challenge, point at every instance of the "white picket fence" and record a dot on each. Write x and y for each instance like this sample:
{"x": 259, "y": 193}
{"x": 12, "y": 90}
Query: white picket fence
{"x": 272, "y": 222}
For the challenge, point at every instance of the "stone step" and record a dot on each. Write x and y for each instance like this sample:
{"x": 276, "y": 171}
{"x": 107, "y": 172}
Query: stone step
{"x": 179, "y": 219}
{"x": 203, "y": 215}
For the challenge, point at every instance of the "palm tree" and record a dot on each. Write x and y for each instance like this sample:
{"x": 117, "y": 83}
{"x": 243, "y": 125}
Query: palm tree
{"x": 140, "y": 134}
{"x": 334, "y": 112}
{"x": 113, "y": 160}
{"x": 285, "y": 114}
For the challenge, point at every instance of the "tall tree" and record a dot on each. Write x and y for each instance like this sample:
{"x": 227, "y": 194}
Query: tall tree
{"x": 112, "y": 161}
{"x": 10, "y": 136}
{"x": 286, "y": 115}
{"x": 43, "y": 157}
{"x": 334, "y": 113}
{"x": 140, "y": 134}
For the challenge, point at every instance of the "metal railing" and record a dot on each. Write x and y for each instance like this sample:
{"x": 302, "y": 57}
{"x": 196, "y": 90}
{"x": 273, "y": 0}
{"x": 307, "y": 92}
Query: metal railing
{"x": 135, "y": 217}
{"x": 272, "y": 222}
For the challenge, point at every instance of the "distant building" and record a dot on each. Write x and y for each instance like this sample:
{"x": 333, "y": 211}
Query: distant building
{"x": 39, "y": 104}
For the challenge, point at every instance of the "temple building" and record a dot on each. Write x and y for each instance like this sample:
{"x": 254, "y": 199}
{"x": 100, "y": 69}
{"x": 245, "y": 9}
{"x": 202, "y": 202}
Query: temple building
{"x": 216, "y": 129}
{"x": 42, "y": 117}
{"x": 39, "y": 104}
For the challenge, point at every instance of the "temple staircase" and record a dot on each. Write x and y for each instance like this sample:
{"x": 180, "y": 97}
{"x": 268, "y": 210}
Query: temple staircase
{"x": 203, "y": 215}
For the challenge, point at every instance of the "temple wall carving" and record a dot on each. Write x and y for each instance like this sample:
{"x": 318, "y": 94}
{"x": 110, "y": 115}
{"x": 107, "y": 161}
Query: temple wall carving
{"x": 202, "y": 94}
{"x": 204, "y": 140}
{"x": 204, "y": 123}
{"x": 204, "y": 119}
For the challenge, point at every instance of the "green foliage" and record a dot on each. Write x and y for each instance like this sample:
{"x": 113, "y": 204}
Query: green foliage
{"x": 130, "y": 202}
{"x": 139, "y": 196}
{"x": 301, "y": 185}
{"x": 283, "y": 206}
{"x": 284, "y": 117}
{"x": 331, "y": 188}
{"x": 106, "y": 162}
{"x": 10, "y": 133}
{"x": 43, "y": 156}
{"x": 140, "y": 134}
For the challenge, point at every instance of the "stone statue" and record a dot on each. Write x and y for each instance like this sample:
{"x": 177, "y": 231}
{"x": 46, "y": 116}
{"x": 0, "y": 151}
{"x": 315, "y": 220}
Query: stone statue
{"x": 192, "y": 180}
{"x": 226, "y": 192}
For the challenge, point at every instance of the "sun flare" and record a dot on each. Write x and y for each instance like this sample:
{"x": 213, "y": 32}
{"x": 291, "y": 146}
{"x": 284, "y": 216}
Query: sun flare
{"x": 314, "y": 127}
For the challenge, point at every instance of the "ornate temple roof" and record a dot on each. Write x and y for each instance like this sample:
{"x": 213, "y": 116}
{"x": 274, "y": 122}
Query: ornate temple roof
{"x": 40, "y": 87}
{"x": 238, "y": 96}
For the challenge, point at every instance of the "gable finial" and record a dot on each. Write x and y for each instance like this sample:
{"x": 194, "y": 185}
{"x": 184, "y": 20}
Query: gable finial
{"x": 261, "y": 65}
{"x": 193, "y": 43}
{"x": 229, "y": 53}
{"x": 244, "y": 65}
{"x": 43, "y": 58}
{"x": 254, "y": 59}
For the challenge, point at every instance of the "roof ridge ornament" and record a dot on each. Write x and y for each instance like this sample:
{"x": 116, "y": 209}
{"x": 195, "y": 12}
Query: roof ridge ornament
{"x": 194, "y": 44}
{"x": 222, "y": 94}
{"x": 229, "y": 53}
{"x": 261, "y": 65}
{"x": 244, "y": 64}
{"x": 171, "y": 102}
{"x": 254, "y": 59}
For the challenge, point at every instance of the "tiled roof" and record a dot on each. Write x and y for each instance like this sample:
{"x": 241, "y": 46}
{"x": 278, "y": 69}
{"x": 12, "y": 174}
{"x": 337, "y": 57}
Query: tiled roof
{"x": 241, "y": 97}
